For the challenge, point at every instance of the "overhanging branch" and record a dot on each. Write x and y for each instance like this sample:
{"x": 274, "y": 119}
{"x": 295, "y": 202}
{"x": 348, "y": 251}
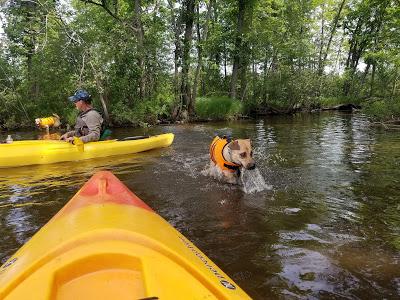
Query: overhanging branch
{"x": 103, "y": 4}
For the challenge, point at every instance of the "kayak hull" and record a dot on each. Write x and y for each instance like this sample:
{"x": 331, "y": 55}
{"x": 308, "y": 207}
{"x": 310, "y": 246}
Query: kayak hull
{"x": 108, "y": 244}
{"x": 38, "y": 152}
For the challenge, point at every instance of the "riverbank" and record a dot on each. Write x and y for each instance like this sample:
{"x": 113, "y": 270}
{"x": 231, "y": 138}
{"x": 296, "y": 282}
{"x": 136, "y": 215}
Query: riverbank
{"x": 221, "y": 108}
{"x": 385, "y": 113}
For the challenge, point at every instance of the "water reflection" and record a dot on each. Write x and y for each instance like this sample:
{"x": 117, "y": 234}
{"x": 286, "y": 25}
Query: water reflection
{"x": 328, "y": 229}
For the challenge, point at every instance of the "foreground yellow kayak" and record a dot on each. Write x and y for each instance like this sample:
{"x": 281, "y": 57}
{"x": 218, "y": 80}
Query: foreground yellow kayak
{"x": 108, "y": 244}
{"x": 23, "y": 153}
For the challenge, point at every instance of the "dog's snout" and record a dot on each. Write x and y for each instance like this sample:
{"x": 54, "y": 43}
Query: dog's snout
{"x": 252, "y": 167}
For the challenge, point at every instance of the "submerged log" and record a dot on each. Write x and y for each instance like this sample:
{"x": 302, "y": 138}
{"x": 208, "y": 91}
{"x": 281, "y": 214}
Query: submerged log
{"x": 269, "y": 110}
{"x": 343, "y": 107}
{"x": 386, "y": 125}
{"x": 393, "y": 122}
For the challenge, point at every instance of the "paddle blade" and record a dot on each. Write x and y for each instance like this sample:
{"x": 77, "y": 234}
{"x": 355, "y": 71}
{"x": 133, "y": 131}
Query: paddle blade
{"x": 78, "y": 143}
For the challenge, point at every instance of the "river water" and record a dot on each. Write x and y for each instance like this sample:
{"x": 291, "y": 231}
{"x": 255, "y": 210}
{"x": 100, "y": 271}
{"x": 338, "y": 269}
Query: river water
{"x": 328, "y": 226}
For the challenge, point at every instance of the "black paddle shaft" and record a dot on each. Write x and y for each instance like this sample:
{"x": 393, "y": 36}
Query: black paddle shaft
{"x": 132, "y": 138}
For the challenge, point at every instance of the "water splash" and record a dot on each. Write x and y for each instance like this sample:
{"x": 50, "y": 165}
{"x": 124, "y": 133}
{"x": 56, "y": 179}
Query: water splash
{"x": 252, "y": 181}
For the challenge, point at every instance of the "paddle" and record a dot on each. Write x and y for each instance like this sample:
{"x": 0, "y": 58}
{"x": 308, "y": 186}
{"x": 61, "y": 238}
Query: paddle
{"x": 79, "y": 144}
{"x": 132, "y": 138}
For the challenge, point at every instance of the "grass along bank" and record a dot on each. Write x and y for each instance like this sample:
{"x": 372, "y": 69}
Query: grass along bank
{"x": 225, "y": 108}
{"x": 218, "y": 108}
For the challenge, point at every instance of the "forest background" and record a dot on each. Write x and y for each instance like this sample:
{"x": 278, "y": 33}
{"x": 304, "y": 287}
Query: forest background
{"x": 146, "y": 61}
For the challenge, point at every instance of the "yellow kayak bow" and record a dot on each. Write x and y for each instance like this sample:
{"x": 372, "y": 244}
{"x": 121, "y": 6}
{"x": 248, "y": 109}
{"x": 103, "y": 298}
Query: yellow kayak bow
{"x": 108, "y": 244}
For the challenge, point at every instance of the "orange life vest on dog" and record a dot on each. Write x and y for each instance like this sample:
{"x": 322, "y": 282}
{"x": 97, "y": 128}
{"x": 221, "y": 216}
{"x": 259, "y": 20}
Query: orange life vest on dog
{"x": 216, "y": 153}
{"x": 49, "y": 121}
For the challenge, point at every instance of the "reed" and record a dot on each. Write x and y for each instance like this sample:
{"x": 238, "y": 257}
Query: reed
{"x": 218, "y": 108}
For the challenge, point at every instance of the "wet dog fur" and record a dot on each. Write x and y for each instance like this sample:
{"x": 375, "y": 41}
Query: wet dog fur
{"x": 237, "y": 151}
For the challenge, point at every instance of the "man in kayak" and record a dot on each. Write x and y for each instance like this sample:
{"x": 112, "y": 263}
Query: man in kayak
{"x": 89, "y": 121}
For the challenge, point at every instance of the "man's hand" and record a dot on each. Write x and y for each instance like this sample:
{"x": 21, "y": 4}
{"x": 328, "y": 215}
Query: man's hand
{"x": 70, "y": 140}
{"x": 63, "y": 137}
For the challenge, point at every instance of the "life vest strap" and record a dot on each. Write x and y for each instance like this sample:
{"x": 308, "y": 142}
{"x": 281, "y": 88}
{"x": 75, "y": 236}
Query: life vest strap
{"x": 216, "y": 154}
{"x": 232, "y": 167}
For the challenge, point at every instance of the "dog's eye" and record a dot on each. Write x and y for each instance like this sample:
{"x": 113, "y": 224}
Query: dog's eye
{"x": 243, "y": 154}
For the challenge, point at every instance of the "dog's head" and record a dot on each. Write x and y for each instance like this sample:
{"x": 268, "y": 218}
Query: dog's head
{"x": 242, "y": 153}
{"x": 37, "y": 122}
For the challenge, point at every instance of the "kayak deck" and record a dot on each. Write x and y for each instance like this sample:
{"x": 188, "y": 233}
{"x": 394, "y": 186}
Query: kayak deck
{"x": 108, "y": 244}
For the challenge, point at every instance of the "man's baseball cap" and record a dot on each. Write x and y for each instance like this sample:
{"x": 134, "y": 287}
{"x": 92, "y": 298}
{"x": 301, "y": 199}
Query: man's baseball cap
{"x": 80, "y": 95}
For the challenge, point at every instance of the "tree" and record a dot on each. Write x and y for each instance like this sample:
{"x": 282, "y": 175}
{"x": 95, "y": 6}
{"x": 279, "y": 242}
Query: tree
{"x": 363, "y": 25}
{"x": 201, "y": 40}
{"x": 241, "y": 47}
{"x": 334, "y": 26}
{"x": 188, "y": 20}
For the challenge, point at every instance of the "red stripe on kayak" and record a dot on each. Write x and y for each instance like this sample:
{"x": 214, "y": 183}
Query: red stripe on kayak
{"x": 103, "y": 187}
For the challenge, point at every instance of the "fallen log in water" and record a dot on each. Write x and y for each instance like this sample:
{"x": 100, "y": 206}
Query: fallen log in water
{"x": 387, "y": 125}
{"x": 343, "y": 107}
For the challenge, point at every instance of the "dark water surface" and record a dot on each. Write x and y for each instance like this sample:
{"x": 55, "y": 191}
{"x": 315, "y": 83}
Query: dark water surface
{"x": 328, "y": 229}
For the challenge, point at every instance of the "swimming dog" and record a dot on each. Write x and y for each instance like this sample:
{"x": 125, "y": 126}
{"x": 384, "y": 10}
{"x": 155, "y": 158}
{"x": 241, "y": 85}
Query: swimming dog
{"x": 228, "y": 157}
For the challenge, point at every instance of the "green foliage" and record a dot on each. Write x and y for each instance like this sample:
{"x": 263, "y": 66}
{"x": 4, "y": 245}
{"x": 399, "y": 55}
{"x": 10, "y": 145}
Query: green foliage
{"x": 333, "y": 101}
{"x": 122, "y": 114}
{"x": 383, "y": 110}
{"x": 70, "y": 116}
{"x": 396, "y": 243}
{"x": 218, "y": 108}
{"x": 143, "y": 113}
{"x": 150, "y": 111}
{"x": 51, "y": 49}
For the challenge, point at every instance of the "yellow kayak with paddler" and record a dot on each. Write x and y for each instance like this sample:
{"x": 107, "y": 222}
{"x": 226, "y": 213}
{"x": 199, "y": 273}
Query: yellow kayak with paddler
{"x": 106, "y": 243}
{"x": 38, "y": 152}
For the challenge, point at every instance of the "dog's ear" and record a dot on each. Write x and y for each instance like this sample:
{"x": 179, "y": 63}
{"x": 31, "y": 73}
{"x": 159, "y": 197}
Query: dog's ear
{"x": 234, "y": 145}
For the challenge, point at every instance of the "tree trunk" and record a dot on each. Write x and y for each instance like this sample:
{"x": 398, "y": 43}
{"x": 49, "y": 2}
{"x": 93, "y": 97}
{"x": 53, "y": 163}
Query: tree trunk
{"x": 246, "y": 49}
{"x": 225, "y": 63}
{"x": 338, "y": 54}
{"x": 254, "y": 78}
{"x": 321, "y": 42}
{"x": 30, "y": 42}
{"x": 333, "y": 30}
{"x": 235, "y": 69}
{"x": 265, "y": 76}
{"x": 371, "y": 90}
{"x": 139, "y": 33}
{"x": 188, "y": 18}
{"x": 100, "y": 89}
{"x": 394, "y": 87}
{"x": 354, "y": 51}
{"x": 366, "y": 71}
{"x": 200, "y": 40}
{"x": 176, "y": 21}
{"x": 237, "y": 55}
